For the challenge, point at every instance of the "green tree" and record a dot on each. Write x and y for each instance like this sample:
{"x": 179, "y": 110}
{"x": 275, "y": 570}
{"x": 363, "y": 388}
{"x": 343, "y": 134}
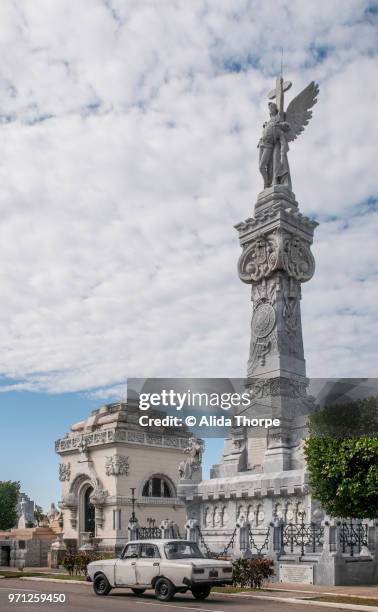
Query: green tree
{"x": 9, "y": 492}
{"x": 342, "y": 457}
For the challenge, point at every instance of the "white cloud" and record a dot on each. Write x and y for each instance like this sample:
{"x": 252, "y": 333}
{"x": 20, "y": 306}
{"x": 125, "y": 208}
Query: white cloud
{"x": 128, "y": 153}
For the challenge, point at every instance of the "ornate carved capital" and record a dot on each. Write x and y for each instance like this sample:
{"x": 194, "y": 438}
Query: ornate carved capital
{"x": 278, "y": 250}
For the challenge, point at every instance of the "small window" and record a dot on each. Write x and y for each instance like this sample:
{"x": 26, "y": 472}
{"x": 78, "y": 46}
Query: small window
{"x": 157, "y": 486}
{"x": 149, "y": 551}
{"x": 130, "y": 550}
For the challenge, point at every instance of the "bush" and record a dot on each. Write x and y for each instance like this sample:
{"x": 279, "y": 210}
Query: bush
{"x": 252, "y": 572}
{"x": 342, "y": 457}
{"x": 76, "y": 563}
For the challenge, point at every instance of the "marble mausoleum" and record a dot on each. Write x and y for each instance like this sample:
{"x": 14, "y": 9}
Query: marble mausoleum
{"x": 109, "y": 459}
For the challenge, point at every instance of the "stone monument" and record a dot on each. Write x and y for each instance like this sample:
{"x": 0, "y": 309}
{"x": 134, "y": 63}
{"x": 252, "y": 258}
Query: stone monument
{"x": 264, "y": 477}
{"x": 25, "y": 511}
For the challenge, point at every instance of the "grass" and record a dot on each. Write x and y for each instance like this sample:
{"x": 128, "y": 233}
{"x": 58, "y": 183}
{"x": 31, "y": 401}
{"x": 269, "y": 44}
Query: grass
{"x": 232, "y": 589}
{"x": 40, "y": 575}
{"x": 347, "y": 600}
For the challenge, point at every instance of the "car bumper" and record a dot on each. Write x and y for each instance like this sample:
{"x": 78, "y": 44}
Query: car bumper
{"x": 207, "y": 583}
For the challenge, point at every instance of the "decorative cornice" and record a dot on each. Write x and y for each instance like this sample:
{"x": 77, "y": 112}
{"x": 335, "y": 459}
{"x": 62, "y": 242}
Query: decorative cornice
{"x": 124, "y": 500}
{"x": 110, "y": 436}
{"x": 283, "y": 212}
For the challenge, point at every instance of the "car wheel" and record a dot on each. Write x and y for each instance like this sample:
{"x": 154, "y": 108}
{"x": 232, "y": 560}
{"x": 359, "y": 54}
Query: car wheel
{"x": 138, "y": 591}
{"x": 201, "y": 592}
{"x": 101, "y": 585}
{"x": 164, "y": 590}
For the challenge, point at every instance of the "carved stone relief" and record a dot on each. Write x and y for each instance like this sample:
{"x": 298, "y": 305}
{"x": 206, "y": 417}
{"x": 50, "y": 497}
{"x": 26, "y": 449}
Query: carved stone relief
{"x": 277, "y": 250}
{"x": 117, "y": 465}
{"x": 272, "y": 387}
{"x": 288, "y": 509}
{"x": 64, "y": 471}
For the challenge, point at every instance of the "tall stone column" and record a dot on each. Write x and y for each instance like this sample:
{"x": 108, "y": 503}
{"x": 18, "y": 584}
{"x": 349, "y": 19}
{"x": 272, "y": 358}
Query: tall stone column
{"x": 275, "y": 261}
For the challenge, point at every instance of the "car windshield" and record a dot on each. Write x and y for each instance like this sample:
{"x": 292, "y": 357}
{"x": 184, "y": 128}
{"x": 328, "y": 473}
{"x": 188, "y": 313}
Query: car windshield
{"x": 182, "y": 550}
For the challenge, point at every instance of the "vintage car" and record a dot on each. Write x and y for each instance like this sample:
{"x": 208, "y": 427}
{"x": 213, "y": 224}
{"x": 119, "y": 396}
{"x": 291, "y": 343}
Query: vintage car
{"x": 168, "y": 566}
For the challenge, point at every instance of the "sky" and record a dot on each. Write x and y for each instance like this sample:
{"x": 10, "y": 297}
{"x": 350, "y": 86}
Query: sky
{"x": 128, "y": 153}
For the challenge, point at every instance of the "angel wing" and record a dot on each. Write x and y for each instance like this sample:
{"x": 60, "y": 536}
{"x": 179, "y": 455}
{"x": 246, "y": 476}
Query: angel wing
{"x": 298, "y": 113}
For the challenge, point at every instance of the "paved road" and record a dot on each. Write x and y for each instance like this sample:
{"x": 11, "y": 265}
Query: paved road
{"x": 82, "y": 599}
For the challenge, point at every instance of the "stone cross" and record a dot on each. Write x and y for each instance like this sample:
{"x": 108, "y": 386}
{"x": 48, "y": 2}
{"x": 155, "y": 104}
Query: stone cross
{"x": 278, "y": 93}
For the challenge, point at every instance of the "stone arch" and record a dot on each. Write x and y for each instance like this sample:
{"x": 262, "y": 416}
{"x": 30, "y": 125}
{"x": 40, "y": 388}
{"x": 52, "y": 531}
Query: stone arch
{"x": 207, "y": 517}
{"x": 289, "y": 513}
{"x": 87, "y": 509}
{"x": 251, "y": 514}
{"x": 240, "y": 512}
{"x": 299, "y": 508}
{"x": 278, "y": 511}
{"x": 78, "y": 482}
{"x": 217, "y": 517}
{"x": 224, "y": 516}
{"x": 260, "y": 515}
{"x": 149, "y": 486}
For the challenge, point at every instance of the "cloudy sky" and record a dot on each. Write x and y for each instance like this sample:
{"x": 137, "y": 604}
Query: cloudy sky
{"x": 127, "y": 154}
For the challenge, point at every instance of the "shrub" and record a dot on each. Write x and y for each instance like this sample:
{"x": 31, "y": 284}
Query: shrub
{"x": 252, "y": 572}
{"x": 76, "y": 563}
{"x": 68, "y": 563}
{"x": 342, "y": 457}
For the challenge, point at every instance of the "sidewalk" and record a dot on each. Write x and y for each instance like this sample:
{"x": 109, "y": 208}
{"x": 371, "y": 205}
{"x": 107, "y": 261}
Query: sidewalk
{"x": 34, "y": 570}
{"x": 352, "y": 591}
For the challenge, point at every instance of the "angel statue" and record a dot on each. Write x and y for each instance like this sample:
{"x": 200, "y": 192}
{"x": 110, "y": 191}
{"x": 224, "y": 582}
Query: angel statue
{"x": 281, "y": 128}
{"x": 194, "y": 461}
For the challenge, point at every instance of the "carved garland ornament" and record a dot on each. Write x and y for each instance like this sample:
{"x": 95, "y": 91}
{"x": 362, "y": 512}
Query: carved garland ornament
{"x": 278, "y": 251}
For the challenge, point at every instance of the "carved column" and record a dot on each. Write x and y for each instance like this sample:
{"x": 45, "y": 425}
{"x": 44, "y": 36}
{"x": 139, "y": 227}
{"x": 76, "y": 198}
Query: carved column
{"x": 275, "y": 261}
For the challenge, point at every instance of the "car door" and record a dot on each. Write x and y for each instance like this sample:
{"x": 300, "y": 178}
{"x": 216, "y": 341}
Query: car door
{"x": 125, "y": 568}
{"x": 148, "y": 563}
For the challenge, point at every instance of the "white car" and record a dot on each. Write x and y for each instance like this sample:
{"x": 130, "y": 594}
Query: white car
{"x": 168, "y": 566}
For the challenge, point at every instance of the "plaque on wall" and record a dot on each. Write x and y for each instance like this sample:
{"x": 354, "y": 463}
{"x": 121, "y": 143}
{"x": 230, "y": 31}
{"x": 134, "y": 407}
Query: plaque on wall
{"x": 295, "y": 573}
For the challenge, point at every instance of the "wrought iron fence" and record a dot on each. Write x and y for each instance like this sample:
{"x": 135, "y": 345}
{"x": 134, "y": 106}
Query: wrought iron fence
{"x": 147, "y": 533}
{"x": 308, "y": 537}
{"x": 353, "y": 536}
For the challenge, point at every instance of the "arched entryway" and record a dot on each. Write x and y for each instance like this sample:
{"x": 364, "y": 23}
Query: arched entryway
{"x": 89, "y": 512}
